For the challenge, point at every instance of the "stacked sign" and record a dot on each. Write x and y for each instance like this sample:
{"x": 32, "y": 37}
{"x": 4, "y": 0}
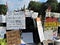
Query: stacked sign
{"x": 15, "y": 20}
{"x": 51, "y": 22}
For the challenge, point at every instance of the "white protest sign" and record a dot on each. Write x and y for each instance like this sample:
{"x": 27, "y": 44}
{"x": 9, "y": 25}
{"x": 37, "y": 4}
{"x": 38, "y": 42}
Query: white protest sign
{"x": 34, "y": 15}
{"x": 16, "y": 20}
{"x": 28, "y": 13}
{"x": 2, "y": 19}
{"x": 49, "y": 14}
{"x": 40, "y": 29}
{"x": 2, "y": 32}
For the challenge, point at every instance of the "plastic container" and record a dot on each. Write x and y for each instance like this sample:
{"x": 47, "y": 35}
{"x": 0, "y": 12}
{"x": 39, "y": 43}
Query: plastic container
{"x": 57, "y": 42}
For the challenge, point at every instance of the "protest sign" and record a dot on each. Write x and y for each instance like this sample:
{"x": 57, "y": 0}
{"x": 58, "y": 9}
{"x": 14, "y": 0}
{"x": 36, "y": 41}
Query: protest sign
{"x": 51, "y": 21}
{"x": 16, "y": 20}
{"x": 2, "y": 19}
{"x": 13, "y": 37}
{"x": 51, "y": 24}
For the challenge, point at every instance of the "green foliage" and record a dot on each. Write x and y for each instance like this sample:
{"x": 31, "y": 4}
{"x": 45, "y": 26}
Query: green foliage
{"x": 52, "y": 1}
{"x": 3, "y": 9}
{"x": 58, "y": 10}
{"x": 41, "y": 7}
{"x": 3, "y": 42}
{"x": 53, "y": 4}
{"x": 35, "y": 6}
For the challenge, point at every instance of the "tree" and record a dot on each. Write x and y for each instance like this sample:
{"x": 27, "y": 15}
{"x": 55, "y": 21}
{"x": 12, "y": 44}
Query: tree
{"x": 41, "y": 7}
{"x": 52, "y": 1}
{"x": 3, "y": 9}
{"x": 35, "y": 6}
{"x": 53, "y": 4}
{"x": 38, "y": 7}
{"x": 58, "y": 8}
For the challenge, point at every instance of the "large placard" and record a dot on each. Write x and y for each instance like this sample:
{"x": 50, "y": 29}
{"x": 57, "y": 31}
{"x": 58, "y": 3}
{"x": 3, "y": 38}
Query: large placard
{"x": 15, "y": 20}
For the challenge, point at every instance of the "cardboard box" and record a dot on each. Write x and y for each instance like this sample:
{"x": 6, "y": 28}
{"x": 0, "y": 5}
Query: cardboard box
{"x": 13, "y": 37}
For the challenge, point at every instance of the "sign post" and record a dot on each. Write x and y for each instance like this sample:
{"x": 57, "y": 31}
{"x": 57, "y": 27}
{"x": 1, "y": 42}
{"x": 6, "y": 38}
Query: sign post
{"x": 40, "y": 29}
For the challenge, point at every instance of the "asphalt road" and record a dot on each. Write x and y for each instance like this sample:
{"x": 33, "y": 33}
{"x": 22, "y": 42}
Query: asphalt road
{"x": 33, "y": 44}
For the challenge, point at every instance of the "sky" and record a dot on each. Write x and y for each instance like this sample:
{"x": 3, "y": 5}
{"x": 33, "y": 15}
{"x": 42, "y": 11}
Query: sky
{"x": 18, "y": 4}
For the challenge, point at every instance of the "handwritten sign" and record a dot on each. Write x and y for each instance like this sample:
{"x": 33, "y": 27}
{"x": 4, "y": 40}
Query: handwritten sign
{"x": 13, "y": 37}
{"x": 16, "y": 20}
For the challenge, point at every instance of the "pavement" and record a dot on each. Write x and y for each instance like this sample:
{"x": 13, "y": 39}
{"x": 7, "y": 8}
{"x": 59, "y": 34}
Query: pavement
{"x": 33, "y": 44}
